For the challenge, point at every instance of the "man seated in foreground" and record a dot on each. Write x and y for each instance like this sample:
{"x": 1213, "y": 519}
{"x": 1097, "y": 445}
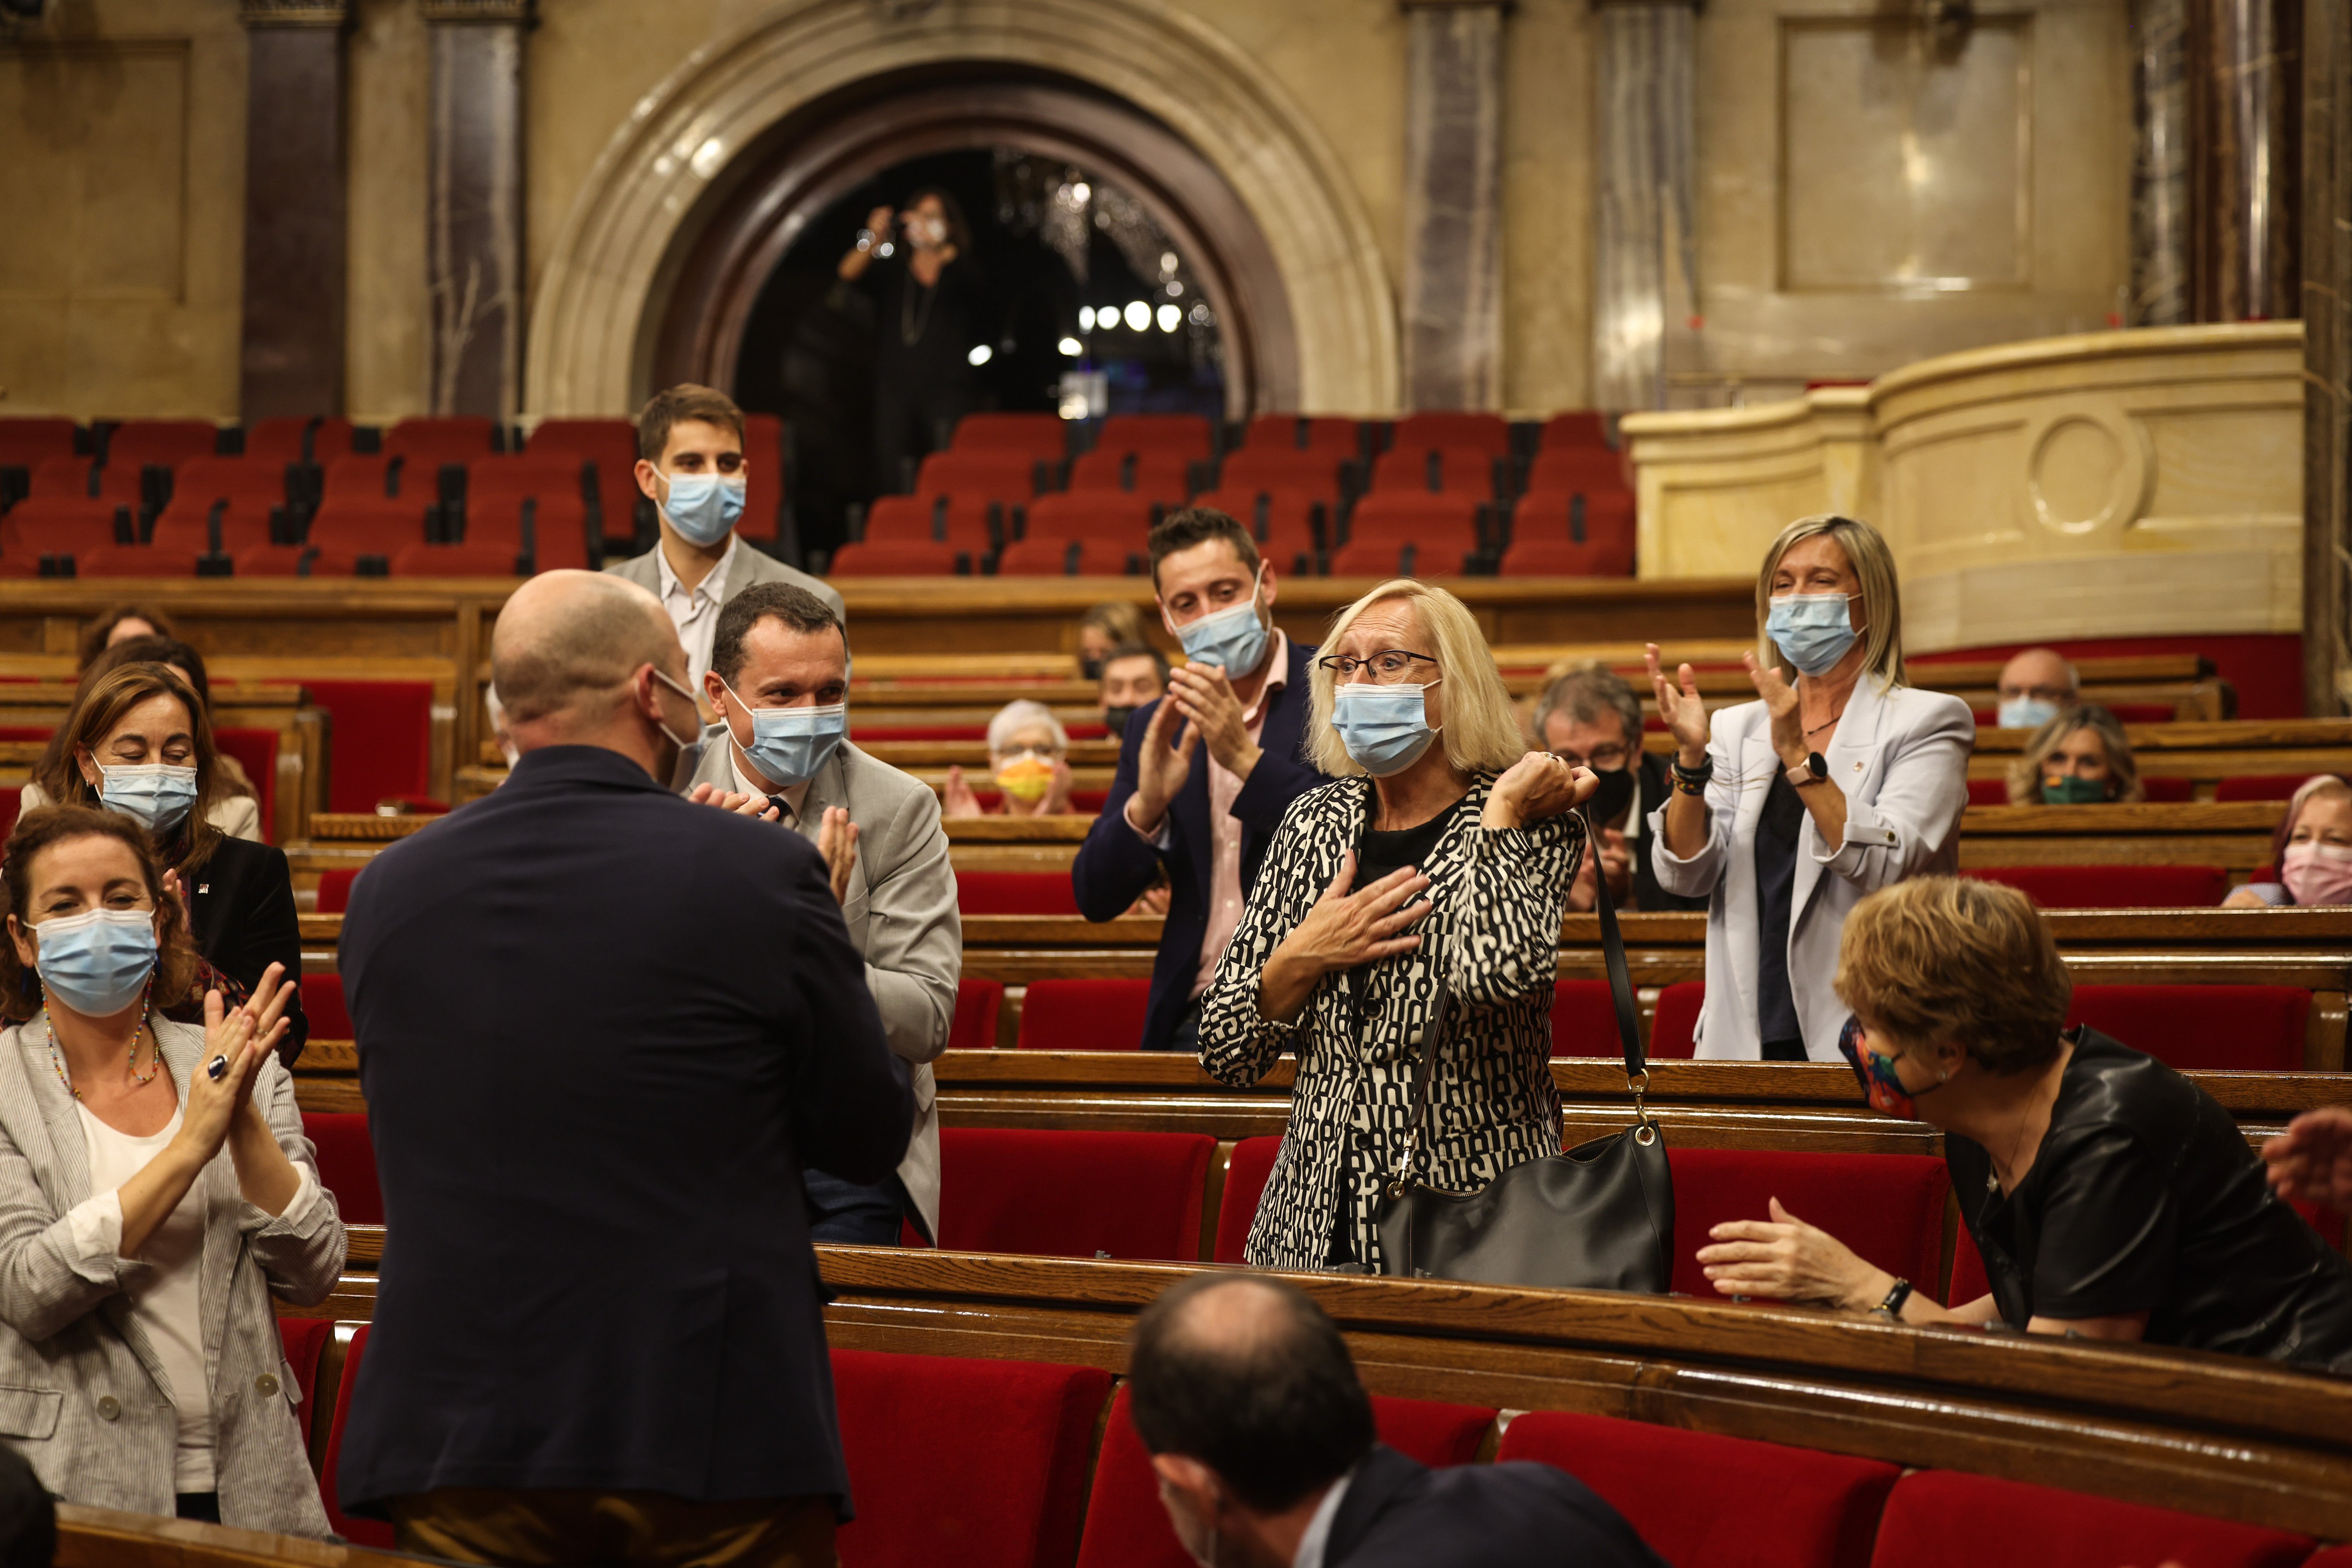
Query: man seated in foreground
{"x": 1262, "y": 1438}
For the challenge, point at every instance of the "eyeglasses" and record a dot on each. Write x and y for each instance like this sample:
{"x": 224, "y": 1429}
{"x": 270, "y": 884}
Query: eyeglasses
{"x": 2039, "y": 693}
{"x": 1604, "y": 759}
{"x": 1389, "y": 666}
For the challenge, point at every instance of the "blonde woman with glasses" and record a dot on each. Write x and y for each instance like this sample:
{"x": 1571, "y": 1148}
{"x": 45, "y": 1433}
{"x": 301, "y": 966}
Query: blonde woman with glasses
{"x": 1840, "y": 779}
{"x": 1438, "y": 855}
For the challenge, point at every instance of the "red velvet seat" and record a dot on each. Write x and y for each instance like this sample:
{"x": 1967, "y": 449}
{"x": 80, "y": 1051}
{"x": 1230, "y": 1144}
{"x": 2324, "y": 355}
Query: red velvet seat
{"x": 335, "y": 891}
{"x": 135, "y": 561}
{"x": 2334, "y": 1557}
{"x": 322, "y": 1004}
{"x": 1246, "y": 1173}
{"x": 1392, "y": 558}
{"x": 1073, "y": 1194}
{"x": 1702, "y": 1500}
{"x": 430, "y": 441}
{"x": 1564, "y": 558}
{"x": 1315, "y": 472}
{"x": 135, "y": 442}
{"x": 2113, "y": 886}
{"x": 1186, "y": 434}
{"x": 368, "y": 475}
{"x": 454, "y": 561}
{"x": 1578, "y": 469}
{"x": 1416, "y": 516}
{"x": 1119, "y": 519}
{"x": 1282, "y": 521}
{"x": 1084, "y": 1014}
{"x": 1577, "y": 427}
{"x": 977, "y": 1003}
{"x": 69, "y": 477}
{"x": 1968, "y": 1280}
{"x": 2259, "y": 786}
{"x": 1151, "y": 476}
{"x": 346, "y": 1163}
{"x": 1602, "y": 521}
{"x": 1486, "y": 433}
{"x": 382, "y": 738}
{"x": 1302, "y": 433}
{"x": 373, "y": 1532}
{"x": 27, "y": 440}
{"x": 1015, "y": 893}
{"x": 1126, "y": 1527}
{"x": 1073, "y": 558}
{"x": 1988, "y": 791}
{"x": 272, "y": 561}
{"x": 2239, "y": 1028}
{"x": 1451, "y": 470}
{"x": 1004, "y": 477}
{"x": 1041, "y": 437}
{"x": 60, "y": 525}
{"x": 305, "y": 1341}
{"x": 612, "y": 446}
{"x": 898, "y": 558}
{"x": 256, "y": 750}
{"x": 202, "y": 480}
{"x": 1673, "y": 1028}
{"x": 187, "y": 529}
{"x": 1584, "y": 1020}
{"x": 960, "y": 522}
{"x": 1943, "y": 1519}
{"x": 546, "y": 472}
{"x": 282, "y": 439}
{"x": 559, "y": 529}
{"x": 1889, "y": 1208}
{"x": 978, "y": 1463}
{"x": 368, "y": 527}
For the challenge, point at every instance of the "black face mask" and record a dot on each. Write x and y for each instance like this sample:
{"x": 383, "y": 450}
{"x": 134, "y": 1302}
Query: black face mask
{"x": 1117, "y": 718}
{"x": 1615, "y": 793}
{"x": 1091, "y": 669}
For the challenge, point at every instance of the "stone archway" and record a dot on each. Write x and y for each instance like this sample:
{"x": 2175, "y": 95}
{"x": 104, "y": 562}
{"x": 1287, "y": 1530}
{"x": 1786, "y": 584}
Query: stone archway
{"x": 601, "y": 307}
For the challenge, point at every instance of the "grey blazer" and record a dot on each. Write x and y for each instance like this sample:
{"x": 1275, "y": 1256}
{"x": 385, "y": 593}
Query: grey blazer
{"x": 82, "y": 1390}
{"x": 752, "y": 564}
{"x": 901, "y": 913}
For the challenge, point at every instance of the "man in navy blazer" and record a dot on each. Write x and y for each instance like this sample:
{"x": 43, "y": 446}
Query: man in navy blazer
{"x": 605, "y": 1029}
{"x": 1205, "y": 773}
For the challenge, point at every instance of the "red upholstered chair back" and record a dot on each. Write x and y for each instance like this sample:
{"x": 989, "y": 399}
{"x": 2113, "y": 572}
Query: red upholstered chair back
{"x": 305, "y": 1341}
{"x": 170, "y": 442}
{"x": 1268, "y": 432}
{"x": 1037, "y": 437}
{"x": 359, "y": 1532}
{"x": 1988, "y": 791}
{"x": 1583, "y": 1019}
{"x": 1577, "y": 427}
{"x": 978, "y": 1003}
{"x": 335, "y": 891}
{"x": 381, "y": 738}
{"x": 322, "y": 1004}
{"x": 1184, "y": 433}
{"x": 1943, "y": 1519}
{"x": 1677, "y": 1021}
{"x": 1968, "y": 1281}
{"x": 2113, "y": 886}
{"x": 1762, "y": 1505}
{"x": 1245, "y": 1179}
{"x": 1488, "y": 432}
{"x": 255, "y": 751}
{"x": 2261, "y": 786}
{"x": 978, "y": 1463}
{"x": 1015, "y": 893}
{"x": 1084, "y": 1014}
{"x": 1889, "y": 1208}
{"x": 1127, "y": 1527}
{"x": 1073, "y": 1194}
{"x": 898, "y": 558}
{"x": 346, "y": 1163}
{"x": 2244, "y": 1028}
{"x": 2334, "y": 1557}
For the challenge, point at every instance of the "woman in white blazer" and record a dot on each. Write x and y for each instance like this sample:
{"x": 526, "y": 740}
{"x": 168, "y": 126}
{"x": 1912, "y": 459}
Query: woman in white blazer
{"x": 1786, "y": 812}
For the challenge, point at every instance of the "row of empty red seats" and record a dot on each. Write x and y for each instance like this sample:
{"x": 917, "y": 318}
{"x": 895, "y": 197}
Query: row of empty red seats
{"x": 1044, "y": 437}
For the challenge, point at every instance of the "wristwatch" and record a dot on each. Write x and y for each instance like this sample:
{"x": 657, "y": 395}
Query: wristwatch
{"x": 1815, "y": 769}
{"x": 1896, "y": 1297}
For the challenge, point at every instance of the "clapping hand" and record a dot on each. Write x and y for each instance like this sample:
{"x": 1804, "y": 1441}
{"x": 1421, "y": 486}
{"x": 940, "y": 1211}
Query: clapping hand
{"x": 753, "y": 806}
{"x": 238, "y": 1038}
{"x": 1163, "y": 761}
{"x": 1538, "y": 785}
{"x": 837, "y": 840}
{"x": 2311, "y": 1160}
{"x": 1780, "y": 701}
{"x": 1203, "y": 693}
{"x": 957, "y": 799}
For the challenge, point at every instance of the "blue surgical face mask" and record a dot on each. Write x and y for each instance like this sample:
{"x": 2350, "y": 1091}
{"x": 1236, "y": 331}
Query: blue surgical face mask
{"x": 2026, "y": 713}
{"x": 97, "y": 961}
{"x": 156, "y": 794}
{"x": 1813, "y": 629}
{"x": 703, "y": 508}
{"x": 1384, "y": 728}
{"x": 788, "y": 744}
{"x": 1234, "y": 636}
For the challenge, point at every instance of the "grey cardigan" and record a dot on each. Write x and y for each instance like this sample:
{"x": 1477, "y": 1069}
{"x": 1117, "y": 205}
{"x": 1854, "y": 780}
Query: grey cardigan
{"x": 81, "y": 1389}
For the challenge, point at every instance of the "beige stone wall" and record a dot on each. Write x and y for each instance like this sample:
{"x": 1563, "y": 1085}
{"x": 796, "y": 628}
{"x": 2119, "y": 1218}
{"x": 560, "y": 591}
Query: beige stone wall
{"x": 386, "y": 331}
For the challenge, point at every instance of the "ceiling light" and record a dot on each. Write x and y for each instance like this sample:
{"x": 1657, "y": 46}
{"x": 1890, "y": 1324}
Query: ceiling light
{"x": 979, "y": 355}
{"x": 1139, "y": 315}
{"x": 1170, "y": 318}
{"x": 1072, "y": 347}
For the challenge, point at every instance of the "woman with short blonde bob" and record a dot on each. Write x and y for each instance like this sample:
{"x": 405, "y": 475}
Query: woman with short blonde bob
{"x": 2080, "y": 757}
{"x": 1838, "y": 780}
{"x": 2108, "y": 1195}
{"x": 1338, "y": 953}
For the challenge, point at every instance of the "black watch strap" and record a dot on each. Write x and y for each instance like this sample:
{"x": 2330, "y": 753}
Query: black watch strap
{"x": 1892, "y": 1305}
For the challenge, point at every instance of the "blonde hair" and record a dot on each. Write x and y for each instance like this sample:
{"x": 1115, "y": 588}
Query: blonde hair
{"x": 2123, "y": 771}
{"x": 1882, "y": 596}
{"x": 1482, "y": 733}
{"x": 1952, "y": 958}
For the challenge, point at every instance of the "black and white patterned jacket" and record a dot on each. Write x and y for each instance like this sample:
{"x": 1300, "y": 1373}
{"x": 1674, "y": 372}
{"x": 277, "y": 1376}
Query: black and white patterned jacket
{"x": 1495, "y": 929}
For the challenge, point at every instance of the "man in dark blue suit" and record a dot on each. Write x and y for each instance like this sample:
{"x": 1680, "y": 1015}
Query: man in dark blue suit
{"x": 1204, "y": 774}
{"x": 604, "y": 1030}
{"x": 1261, "y": 1437}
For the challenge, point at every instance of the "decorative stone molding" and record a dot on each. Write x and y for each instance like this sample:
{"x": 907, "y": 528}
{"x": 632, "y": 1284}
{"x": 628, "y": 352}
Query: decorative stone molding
{"x": 509, "y": 12}
{"x": 601, "y": 286}
{"x": 293, "y": 13}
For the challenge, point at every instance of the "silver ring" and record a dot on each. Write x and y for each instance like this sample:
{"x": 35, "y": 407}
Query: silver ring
{"x": 217, "y": 1069}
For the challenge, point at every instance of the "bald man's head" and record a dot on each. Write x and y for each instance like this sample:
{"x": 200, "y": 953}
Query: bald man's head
{"x": 1250, "y": 1377}
{"x": 567, "y": 643}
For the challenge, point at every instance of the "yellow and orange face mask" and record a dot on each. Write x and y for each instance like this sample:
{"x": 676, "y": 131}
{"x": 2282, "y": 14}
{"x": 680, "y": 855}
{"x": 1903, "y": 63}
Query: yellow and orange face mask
{"x": 1026, "y": 777}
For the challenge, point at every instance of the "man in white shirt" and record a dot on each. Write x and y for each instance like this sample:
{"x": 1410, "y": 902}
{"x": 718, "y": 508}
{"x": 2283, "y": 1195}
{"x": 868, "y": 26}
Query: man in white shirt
{"x": 690, "y": 464}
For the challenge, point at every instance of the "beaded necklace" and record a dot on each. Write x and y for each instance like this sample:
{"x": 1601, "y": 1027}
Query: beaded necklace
{"x": 154, "y": 1064}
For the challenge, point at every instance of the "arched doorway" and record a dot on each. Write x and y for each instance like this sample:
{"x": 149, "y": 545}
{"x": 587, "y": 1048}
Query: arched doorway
{"x": 759, "y": 122}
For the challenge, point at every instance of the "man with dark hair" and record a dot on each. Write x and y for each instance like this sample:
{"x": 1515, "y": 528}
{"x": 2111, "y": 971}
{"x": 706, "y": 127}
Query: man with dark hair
{"x": 778, "y": 680}
{"x": 1589, "y": 718}
{"x": 690, "y": 464}
{"x": 1134, "y": 675}
{"x": 1262, "y": 1438}
{"x": 1204, "y": 774}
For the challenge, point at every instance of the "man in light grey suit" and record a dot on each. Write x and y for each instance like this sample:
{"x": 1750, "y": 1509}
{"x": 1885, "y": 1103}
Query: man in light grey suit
{"x": 690, "y": 464}
{"x": 779, "y": 679}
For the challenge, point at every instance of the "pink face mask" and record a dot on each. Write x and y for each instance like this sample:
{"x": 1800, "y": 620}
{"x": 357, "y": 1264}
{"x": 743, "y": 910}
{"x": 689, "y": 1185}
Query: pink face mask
{"x": 2317, "y": 873}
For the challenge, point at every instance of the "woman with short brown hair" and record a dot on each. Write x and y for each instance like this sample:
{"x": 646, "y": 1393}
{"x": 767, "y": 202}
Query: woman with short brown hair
{"x": 2107, "y": 1195}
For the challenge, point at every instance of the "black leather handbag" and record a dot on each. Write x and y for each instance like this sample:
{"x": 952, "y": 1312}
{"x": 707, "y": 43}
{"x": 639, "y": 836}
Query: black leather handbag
{"x": 1599, "y": 1216}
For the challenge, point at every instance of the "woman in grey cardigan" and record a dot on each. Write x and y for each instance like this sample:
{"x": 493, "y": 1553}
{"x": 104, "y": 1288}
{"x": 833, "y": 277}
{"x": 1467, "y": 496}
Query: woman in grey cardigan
{"x": 155, "y": 1192}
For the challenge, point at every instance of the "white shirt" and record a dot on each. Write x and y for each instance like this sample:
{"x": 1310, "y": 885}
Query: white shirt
{"x": 1317, "y": 1534}
{"x": 695, "y": 615}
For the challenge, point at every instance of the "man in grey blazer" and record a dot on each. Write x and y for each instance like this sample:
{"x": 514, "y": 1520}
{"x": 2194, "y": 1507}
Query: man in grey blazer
{"x": 690, "y": 464}
{"x": 779, "y": 679}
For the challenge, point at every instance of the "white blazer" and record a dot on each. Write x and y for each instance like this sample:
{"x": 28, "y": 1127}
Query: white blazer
{"x": 1901, "y": 756}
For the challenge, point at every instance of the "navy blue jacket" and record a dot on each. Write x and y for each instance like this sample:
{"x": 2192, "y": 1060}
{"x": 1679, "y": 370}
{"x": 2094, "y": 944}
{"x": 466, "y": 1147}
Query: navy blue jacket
{"x": 605, "y": 1029}
{"x": 1115, "y": 865}
{"x": 1398, "y": 1513}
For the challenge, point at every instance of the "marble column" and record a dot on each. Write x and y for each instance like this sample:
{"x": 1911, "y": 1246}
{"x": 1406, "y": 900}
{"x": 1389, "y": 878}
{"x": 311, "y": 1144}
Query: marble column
{"x": 1644, "y": 244}
{"x": 291, "y": 350}
{"x": 2160, "y": 228}
{"x": 474, "y": 215}
{"x": 2327, "y": 357}
{"x": 2245, "y": 90}
{"x": 1452, "y": 307}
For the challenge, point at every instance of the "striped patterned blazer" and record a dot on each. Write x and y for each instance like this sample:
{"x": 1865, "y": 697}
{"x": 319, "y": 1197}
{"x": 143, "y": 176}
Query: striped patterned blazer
{"x": 1495, "y": 932}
